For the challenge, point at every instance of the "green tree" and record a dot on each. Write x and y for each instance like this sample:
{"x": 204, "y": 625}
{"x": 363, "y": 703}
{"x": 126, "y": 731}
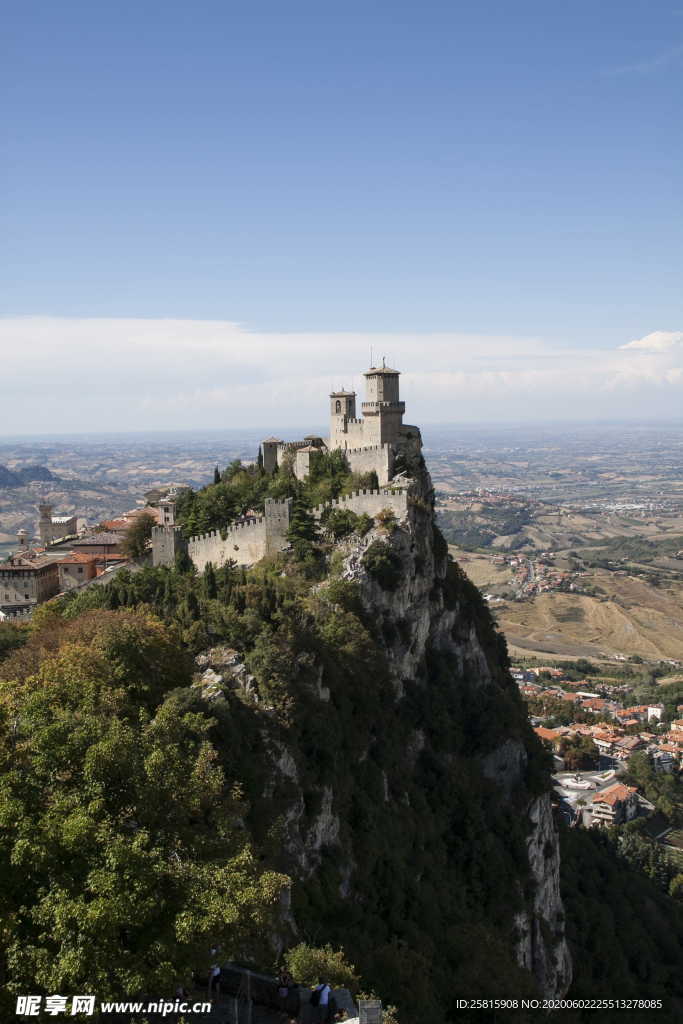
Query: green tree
{"x": 216, "y": 475}
{"x": 210, "y": 587}
{"x": 122, "y": 852}
{"x": 310, "y": 965}
{"x": 137, "y": 536}
{"x": 303, "y": 529}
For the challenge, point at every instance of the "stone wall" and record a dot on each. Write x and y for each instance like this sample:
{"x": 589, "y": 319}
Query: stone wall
{"x": 370, "y": 502}
{"x": 166, "y": 541}
{"x": 378, "y": 457}
{"x": 244, "y": 543}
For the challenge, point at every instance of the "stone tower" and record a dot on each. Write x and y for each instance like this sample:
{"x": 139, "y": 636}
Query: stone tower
{"x": 342, "y": 412}
{"x": 382, "y": 408}
{"x": 269, "y": 448}
{"x": 45, "y": 523}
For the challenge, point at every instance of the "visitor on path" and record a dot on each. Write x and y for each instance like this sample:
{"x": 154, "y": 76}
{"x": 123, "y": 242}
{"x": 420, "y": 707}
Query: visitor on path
{"x": 214, "y": 976}
{"x": 321, "y": 1001}
{"x": 285, "y": 991}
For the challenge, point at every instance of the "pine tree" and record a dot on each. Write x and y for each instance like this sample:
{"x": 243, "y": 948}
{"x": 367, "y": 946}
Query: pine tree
{"x": 210, "y": 588}
{"x": 303, "y": 528}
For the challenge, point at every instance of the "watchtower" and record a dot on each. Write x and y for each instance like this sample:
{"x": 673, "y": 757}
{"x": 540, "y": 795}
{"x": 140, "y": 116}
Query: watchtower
{"x": 269, "y": 447}
{"x": 382, "y": 408}
{"x": 342, "y": 410}
{"x": 45, "y": 523}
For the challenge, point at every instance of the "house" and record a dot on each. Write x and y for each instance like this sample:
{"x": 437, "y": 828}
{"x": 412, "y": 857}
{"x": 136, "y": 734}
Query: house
{"x": 614, "y": 805}
{"x": 662, "y": 760}
{"x": 27, "y": 580}
{"x": 77, "y": 568}
{"x": 549, "y": 737}
{"x": 655, "y": 711}
{"x": 108, "y": 543}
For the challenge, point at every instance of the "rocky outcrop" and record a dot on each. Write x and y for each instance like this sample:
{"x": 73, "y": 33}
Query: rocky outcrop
{"x": 419, "y": 621}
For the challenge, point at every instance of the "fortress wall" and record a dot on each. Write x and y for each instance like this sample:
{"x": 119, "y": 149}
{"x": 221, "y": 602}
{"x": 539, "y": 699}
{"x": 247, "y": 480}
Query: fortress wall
{"x": 371, "y": 502}
{"x": 244, "y": 543}
{"x": 375, "y": 457}
{"x": 164, "y": 542}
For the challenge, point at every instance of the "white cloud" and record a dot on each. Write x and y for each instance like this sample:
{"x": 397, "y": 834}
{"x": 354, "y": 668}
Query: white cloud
{"x": 87, "y": 375}
{"x": 658, "y": 341}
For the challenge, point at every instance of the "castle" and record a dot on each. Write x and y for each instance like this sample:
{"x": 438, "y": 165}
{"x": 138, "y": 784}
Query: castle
{"x": 369, "y": 443}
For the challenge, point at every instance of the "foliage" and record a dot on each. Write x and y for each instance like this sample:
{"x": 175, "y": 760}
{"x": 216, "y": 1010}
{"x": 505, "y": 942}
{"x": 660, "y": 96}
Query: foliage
{"x": 664, "y": 790}
{"x": 342, "y": 522}
{"x": 625, "y": 935}
{"x": 137, "y": 536}
{"x": 312, "y": 966}
{"x": 381, "y": 562}
{"x": 121, "y": 847}
{"x": 579, "y": 752}
{"x": 11, "y": 637}
{"x": 386, "y": 520}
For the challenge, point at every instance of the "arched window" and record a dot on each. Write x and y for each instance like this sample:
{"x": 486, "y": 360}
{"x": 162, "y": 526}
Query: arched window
{"x": 337, "y": 406}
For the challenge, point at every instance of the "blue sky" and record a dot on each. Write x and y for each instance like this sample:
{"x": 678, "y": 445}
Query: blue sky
{"x": 508, "y": 169}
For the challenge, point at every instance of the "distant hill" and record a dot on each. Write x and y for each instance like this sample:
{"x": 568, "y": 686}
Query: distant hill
{"x": 24, "y": 475}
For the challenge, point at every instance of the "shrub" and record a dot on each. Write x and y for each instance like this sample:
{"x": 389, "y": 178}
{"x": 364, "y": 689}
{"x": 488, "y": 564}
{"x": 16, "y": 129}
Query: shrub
{"x": 382, "y": 564}
{"x": 386, "y": 520}
{"x": 310, "y": 966}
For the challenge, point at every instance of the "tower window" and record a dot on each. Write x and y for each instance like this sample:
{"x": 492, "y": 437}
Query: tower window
{"x": 337, "y": 406}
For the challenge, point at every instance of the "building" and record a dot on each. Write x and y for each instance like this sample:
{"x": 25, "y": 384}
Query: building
{"x": 26, "y": 580}
{"x": 105, "y": 543}
{"x": 370, "y": 442}
{"x": 52, "y": 528}
{"x": 614, "y": 805}
{"x": 76, "y": 569}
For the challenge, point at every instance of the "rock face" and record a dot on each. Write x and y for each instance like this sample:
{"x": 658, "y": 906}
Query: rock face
{"x": 408, "y": 781}
{"x": 428, "y": 625}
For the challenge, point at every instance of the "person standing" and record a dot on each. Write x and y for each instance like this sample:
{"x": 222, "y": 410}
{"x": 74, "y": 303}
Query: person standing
{"x": 214, "y": 975}
{"x": 321, "y": 1000}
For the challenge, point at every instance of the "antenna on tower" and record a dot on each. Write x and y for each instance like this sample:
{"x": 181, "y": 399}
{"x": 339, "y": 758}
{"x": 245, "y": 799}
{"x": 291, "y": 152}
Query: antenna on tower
{"x": 371, "y": 357}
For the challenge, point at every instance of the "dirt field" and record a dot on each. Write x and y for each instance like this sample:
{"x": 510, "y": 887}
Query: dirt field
{"x": 629, "y": 617}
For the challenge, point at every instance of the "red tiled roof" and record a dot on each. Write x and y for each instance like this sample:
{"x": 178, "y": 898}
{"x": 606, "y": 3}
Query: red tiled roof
{"x": 614, "y": 794}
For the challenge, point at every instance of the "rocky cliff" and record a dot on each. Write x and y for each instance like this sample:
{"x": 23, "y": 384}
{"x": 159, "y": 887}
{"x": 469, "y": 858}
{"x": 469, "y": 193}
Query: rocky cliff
{"x": 408, "y": 795}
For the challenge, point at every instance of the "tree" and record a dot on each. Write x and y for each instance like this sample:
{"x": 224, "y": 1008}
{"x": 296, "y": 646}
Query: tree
{"x": 210, "y": 588}
{"x": 137, "y": 536}
{"x": 259, "y": 460}
{"x": 310, "y": 966}
{"x": 216, "y": 475}
{"x": 579, "y": 752}
{"x": 122, "y": 853}
{"x": 303, "y": 529}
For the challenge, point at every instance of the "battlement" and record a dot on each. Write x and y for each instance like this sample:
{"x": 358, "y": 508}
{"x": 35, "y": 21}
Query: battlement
{"x": 234, "y": 528}
{"x": 370, "y": 501}
{"x": 367, "y": 448}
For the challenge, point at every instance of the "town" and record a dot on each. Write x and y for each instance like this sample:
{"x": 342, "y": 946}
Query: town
{"x": 593, "y": 734}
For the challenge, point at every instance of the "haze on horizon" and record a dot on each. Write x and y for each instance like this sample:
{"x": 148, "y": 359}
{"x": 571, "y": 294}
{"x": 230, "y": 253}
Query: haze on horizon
{"x": 214, "y": 214}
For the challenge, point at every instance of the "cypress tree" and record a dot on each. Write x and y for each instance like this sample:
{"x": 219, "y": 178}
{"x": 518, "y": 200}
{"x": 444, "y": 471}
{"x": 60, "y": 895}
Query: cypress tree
{"x": 216, "y": 476}
{"x": 302, "y": 524}
{"x": 210, "y": 588}
{"x": 259, "y": 460}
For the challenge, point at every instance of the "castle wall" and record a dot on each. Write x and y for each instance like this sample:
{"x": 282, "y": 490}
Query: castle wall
{"x": 244, "y": 543}
{"x": 379, "y": 458}
{"x": 370, "y": 502}
{"x": 351, "y": 433}
{"x": 165, "y": 542}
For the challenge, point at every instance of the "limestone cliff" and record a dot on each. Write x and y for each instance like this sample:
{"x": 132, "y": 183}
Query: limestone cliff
{"x": 403, "y": 789}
